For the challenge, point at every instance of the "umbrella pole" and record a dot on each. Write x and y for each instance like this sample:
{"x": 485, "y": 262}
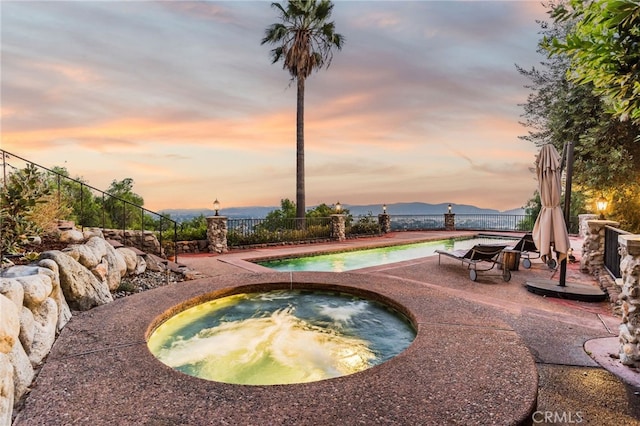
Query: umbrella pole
{"x": 567, "y": 205}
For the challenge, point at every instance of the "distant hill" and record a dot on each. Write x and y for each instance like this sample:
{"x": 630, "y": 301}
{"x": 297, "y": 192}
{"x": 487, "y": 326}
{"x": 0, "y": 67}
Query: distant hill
{"x": 258, "y": 212}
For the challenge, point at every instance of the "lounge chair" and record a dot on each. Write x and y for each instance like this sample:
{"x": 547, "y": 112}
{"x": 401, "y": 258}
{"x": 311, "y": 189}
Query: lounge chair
{"x": 526, "y": 247}
{"x": 480, "y": 254}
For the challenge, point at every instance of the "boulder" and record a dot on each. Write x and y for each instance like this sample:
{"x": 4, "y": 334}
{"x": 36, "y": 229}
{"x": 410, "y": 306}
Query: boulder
{"x": 45, "y": 318}
{"x": 81, "y": 288}
{"x": 116, "y": 265}
{"x": 71, "y": 236}
{"x": 45, "y": 268}
{"x": 141, "y": 267}
{"x": 92, "y": 232}
{"x": 84, "y": 254}
{"x": 27, "y": 329}
{"x": 6, "y": 390}
{"x": 12, "y": 290}
{"x": 130, "y": 259}
{"x": 10, "y": 325}
{"x": 49, "y": 267}
{"x": 37, "y": 288}
{"x": 23, "y": 372}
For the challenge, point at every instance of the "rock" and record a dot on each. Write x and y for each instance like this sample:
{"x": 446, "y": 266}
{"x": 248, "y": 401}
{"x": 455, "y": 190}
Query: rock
{"x": 141, "y": 267}
{"x": 92, "y": 232}
{"x": 45, "y": 319}
{"x": 23, "y": 373}
{"x": 84, "y": 254}
{"x": 71, "y": 236}
{"x": 12, "y": 290}
{"x": 6, "y": 390}
{"x": 116, "y": 265}
{"x": 37, "y": 289}
{"x": 27, "y": 329}
{"x": 130, "y": 259}
{"x": 48, "y": 266}
{"x": 36, "y": 240}
{"x": 81, "y": 288}
{"x": 10, "y": 325}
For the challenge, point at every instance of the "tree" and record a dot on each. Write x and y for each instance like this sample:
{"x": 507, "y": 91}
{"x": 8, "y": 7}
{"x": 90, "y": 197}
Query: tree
{"x": 604, "y": 50}
{"x": 304, "y": 41}
{"x": 559, "y": 109}
{"x": 120, "y": 208}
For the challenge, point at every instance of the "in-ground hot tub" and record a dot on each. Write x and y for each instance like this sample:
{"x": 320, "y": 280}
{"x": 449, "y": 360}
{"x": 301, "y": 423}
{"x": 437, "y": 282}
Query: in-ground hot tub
{"x": 281, "y": 337}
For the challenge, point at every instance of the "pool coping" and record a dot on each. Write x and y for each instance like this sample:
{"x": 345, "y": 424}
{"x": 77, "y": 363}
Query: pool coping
{"x": 460, "y": 369}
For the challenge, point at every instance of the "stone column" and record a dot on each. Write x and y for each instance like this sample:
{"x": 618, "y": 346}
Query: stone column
{"x": 592, "y": 260}
{"x": 217, "y": 234}
{"x": 583, "y": 227}
{"x": 384, "y": 220}
{"x": 449, "y": 221}
{"x": 630, "y": 296}
{"x": 338, "y": 227}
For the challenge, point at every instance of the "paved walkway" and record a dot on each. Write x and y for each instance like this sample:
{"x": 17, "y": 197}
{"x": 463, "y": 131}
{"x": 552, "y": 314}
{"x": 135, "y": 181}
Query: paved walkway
{"x": 485, "y": 350}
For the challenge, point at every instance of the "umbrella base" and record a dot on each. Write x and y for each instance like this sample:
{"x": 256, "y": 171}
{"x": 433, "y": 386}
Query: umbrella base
{"x": 571, "y": 291}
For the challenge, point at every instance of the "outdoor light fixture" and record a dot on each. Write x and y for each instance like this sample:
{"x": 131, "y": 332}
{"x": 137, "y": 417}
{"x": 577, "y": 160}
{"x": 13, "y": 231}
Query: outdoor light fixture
{"x": 449, "y": 207}
{"x": 384, "y": 209}
{"x": 338, "y": 207}
{"x": 216, "y": 206}
{"x": 601, "y": 204}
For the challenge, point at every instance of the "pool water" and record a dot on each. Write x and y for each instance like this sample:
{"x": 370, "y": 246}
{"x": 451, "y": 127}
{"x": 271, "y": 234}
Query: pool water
{"x": 350, "y": 260}
{"x": 281, "y": 337}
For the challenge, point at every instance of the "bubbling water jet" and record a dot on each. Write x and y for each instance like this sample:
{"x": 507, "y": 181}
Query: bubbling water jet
{"x": 280, "y": 337}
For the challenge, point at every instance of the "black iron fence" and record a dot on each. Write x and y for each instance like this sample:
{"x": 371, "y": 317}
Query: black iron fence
{"x": 94, "y": 208}
{"x": 611, "y": 252}
{"x": 245, "y": 232}
{"x": 470, "y": 222}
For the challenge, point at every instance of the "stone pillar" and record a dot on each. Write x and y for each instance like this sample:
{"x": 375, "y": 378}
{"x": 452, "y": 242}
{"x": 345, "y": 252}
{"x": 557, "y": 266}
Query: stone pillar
{"x": 583, "y": 227}
{"x": 630, "y": 296}
{"x": 592, "y": 260}
{"x": 338, "y": 227}
{"x": 217, "y": 234}
{"x": 449, "y": 221}
{"x": 384, "y": 220}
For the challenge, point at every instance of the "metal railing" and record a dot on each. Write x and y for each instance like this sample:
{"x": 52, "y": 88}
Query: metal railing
{"x": 245, "y": 232}
{"x": 87, "y": 196}
{"x": 611, "y": 253}
{"x": 471, "y": 222}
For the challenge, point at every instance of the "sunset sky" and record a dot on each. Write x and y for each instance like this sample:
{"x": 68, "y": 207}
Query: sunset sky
{"x": 421, "y": 104}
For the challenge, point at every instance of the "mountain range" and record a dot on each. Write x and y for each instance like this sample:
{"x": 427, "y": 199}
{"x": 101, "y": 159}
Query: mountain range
{"x": 415, "y": 208}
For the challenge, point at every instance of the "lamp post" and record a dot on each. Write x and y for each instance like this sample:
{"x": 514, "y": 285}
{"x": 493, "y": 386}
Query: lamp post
{"x": 338, "y": 207}
{"x": 449, "y": 208}
{"x": 216, "y": 206}
{"x": 601, "y": 205}
{"x": 384, "y": 209}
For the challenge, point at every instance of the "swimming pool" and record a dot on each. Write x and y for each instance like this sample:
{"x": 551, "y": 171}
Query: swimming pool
{"x": 350, "y": 260}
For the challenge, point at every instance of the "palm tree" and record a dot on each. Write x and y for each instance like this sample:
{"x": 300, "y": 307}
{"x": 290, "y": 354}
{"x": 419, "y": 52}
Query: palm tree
{"x": 304, "y": 40}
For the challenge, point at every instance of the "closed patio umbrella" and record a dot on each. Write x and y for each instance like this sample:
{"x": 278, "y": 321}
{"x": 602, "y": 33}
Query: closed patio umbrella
{"x": 550, "y": 228}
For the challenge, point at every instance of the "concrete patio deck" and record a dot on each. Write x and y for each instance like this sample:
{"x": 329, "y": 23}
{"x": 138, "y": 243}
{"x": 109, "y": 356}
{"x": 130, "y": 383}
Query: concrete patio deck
{"x": 487, "y": 352}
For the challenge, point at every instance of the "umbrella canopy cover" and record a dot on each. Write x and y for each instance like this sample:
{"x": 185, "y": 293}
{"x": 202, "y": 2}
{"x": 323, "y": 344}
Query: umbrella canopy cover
{"x": 550, "y": 229}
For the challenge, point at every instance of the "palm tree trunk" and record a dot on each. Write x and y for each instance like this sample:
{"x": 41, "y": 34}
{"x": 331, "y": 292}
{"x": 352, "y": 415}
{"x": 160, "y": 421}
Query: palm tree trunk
{"x": 300, "y": 193}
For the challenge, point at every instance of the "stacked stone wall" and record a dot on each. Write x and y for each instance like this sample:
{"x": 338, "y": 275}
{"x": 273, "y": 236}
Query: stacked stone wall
{"x": 142, "y": 240}
{"x": 630, "y": 297}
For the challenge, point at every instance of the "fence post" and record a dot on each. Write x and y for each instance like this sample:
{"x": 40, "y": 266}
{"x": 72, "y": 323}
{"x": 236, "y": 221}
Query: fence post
{"x": 630, "y": 296}
{"x": 217, "y": 234}
{"x": 384, "y": 220}
{"x": 449, "y": 221}
{"x": 338, "y": 227}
